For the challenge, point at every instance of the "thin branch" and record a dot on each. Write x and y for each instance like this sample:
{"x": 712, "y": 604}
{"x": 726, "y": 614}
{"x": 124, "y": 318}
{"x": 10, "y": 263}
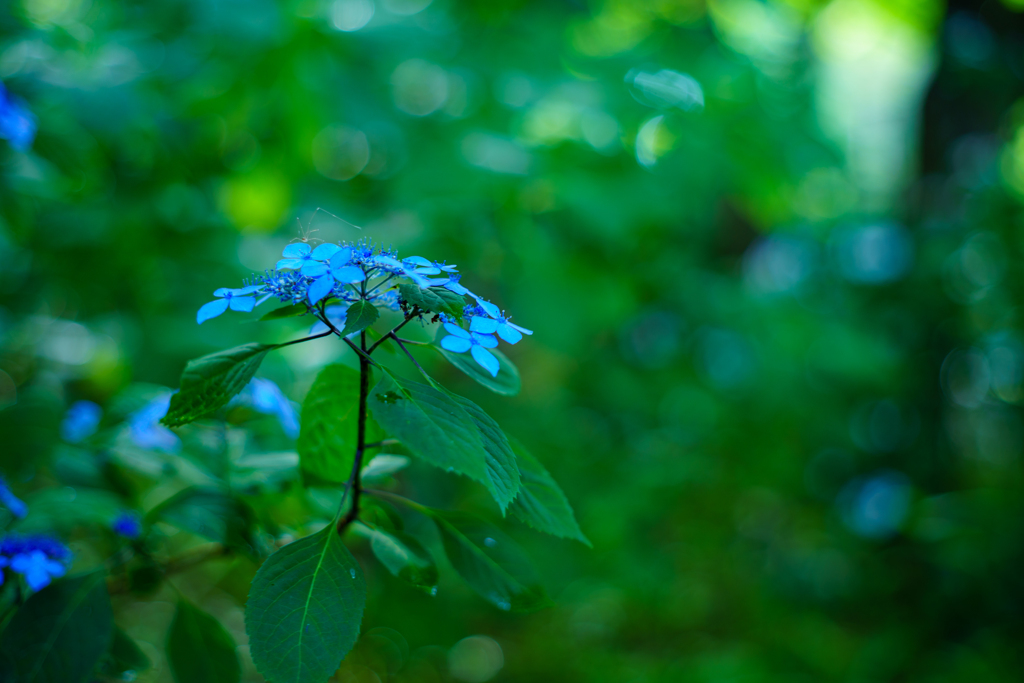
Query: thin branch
{"x": 304, "y": 339}
{"x": 409, "y": 353}
{"x": 396, "y": 328}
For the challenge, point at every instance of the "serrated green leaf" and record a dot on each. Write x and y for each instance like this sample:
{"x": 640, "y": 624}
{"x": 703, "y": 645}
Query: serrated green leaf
{"x": 402, "y": 555}
{"x": 292, "y": 311}
{"x": 506, "y": 382}
{"x": 329, "y": 428}
{"x": 431, "y": 425}
{"x": 124, "y": 656}
{"x": 490, "y": 562}
{"x": 304, "y": 609}
{"x": 359, "y": 316}
{"x": 502, "y": 471}
{"x": 208, "y": 383}
{"x": 541, "y": 503}
{"x": 199, "y": 649}
{"x": 61, "y": 632}
{"x": 433, "y": 300}
{"x": 210, "y": 513}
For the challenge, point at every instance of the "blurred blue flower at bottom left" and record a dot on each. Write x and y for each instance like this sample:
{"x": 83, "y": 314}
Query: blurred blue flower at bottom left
{"x": 17, "y": 124}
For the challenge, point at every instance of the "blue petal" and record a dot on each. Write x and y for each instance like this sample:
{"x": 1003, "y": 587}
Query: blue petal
{"x": 289, "y": 263}
{"x": 482, "y": 325}
{"x": 490, "y": 308}
{"x": 508, "y": 333}
{"x": 487, "y": 361}
{"x": 242, "y": 303}
{"x": 325, "y": 251}
{"x": 456, "y": 344}
{"x": 518, "y": 328}
{"x": 211, "y": 310}
{"x": 417, "y": 261}
{"x": 263, "y": 298}
{"x": 341, "y": 258}
{"x": 319, "y": 289}
{"x": 297, "y": 250}
{"x": 428, "y": 271}
{"x": 245, "y": 290}
{"x": 456, "y": 287}
{"x": 348, "y": 274}
{"x": 314, "y": 269}
{"x": 223, "y": 291}
{"x": 485, "y": 340}
{"x": 456, "y": 330}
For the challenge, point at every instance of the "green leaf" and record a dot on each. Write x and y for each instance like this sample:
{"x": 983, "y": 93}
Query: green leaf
{"x": 208, "y": 383}
{"x": 199, "y": 649}
{"x": 292, "y": 311}
{"x": 540, "y": 502}
{"x": 359, "y": 316}
{"x": 506, "y": 382}
{"x": 383, "y": 466}
{"x": 124, "y": 656}
{"x": 431, "y": 425}
{"x": 329, "y": 427}
{"x": 61, "y": 632}
{"x": 304, "y": 610}
{"x": 402, "y": 554}
{"x": 502, "y": 471}
{"x": 433, "y": 300}
{"x": 210, "y": 513}
{"x": 490, "y": 562}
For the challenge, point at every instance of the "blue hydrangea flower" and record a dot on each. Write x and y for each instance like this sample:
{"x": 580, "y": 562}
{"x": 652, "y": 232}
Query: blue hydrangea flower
{"x": 508, "y": 331}
{"x": 342, "y": 270}
{"x": 17, "y": 124}
{"x": 235, "y": 299}
{"x": 38, "y": 558}
{"x": 336, "y": 314}
{"x": 477, "y": 344}
{"x": 266, "y": 397}
{"x": 81, "y": 421}
{"x": 127, "y": 524}
{"x": 12, "y": 502}
{"x": 308, "y": 261}
{"x": 145, "y": 429}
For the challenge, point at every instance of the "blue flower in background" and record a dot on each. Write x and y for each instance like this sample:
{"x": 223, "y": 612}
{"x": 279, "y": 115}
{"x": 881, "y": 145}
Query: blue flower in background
{"x": 127, "y": 524}
{"x": 335, "y": 314}
{"x": 235, "y": 299}
{"x": 12, "y": 502}
{"x": 266, "y": 397}
{"x": 81, "y": 421}
{"x": 477, "y": 344}
{"x": 508, "y": 331}
{"x": 308, "y": 261}
{"x": 17, "y": 124}
{"x": 145, "y": 429}
{"x": 38, "y": 558}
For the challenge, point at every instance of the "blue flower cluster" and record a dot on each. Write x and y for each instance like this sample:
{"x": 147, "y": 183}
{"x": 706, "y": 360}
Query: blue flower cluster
{"x": 263, "y": 396}
{"x": 17, "y": 124}
{"x": 345, "y": 273}
{"x": 38, "y": 558}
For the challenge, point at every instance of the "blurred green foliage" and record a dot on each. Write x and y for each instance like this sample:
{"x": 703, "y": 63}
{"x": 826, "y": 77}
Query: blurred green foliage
{"x": 768, "y": 249}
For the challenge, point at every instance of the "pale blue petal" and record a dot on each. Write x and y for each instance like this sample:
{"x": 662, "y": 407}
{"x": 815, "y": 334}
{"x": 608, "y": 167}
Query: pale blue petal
{"x": 486, "y": 360}
{"x": 341, "y": 258}
{"x": 456, "y": 330}
{"x": 242, "y": 303}
{"x": 314, "y": 269}
{"x": 289, "y": 263}
{"x": 518, "y": 328}
{"x": 456, "y": 344}
{"x": 417, "y": 261}
{"x": 318, "y": 328}
{"x": 319, "y": 289}
{"x": 264, "y": 298}
{"x": 456, "y": 287}
{"x": 348, "y": 274}
{"x": 325, "y": 251}
{"x": 297, "y": 250}
{"x": 211, "y": 310}
{"x": 428, "y": 271}
{"x": 489, "y": 308}
{"x": 223, "y": 291}
{"x": 508, "y": 333}
{"x": 435, "y": 281}
{"x": 485, "y": 340}
{"x": 449, "y": 269}
{"x": 245, "y": 290}
{"x": 482, "y": 325}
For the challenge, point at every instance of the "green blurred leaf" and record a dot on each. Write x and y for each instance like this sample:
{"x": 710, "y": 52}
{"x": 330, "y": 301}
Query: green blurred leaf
{"x": 490, "y": 562}
{"x": 292, "y": 311}
{"x": 506, "y": 382}
{"x": 199, "y": 648}
{"x": 264, "y": 469}
{"x": 383, "y": 466}
{"x": 210, "y": 513}
{"x": 540, "y": 502}
{"x": 60, "y": 634}
{"x": 304, "y": 609}
{"x": 359, "y": 316}
{"x": 208, "y": 383}
{"x": 431, "y": 425}
{"x": 329, "y": 428}
{"x": 502, "y": 472}
{"x": 433, "y": 300}
{"x": 124, "y": 656}
{"x": 402, "y": 554}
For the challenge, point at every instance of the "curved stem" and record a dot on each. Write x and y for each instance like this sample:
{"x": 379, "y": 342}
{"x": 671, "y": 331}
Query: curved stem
{"x": 411, "y": 357}
{"x": 394, "y": 329}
